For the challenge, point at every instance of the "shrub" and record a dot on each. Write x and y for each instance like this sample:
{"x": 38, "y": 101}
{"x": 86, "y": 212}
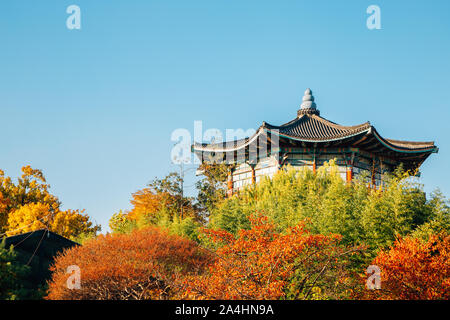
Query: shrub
{"x": 145, "y": 264}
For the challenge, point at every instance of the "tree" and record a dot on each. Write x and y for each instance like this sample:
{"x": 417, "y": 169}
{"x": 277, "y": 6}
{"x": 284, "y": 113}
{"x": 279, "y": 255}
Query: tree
{"x": 35, "y": 216}
{"x": 330, "y": 205}
{"x": 439, "y": 220}
{"x": 28, "y": 205}
{"x": 261, "y": 263}
{"x": 31, "y": 187}
{"x": 13, "y": 276}
{"x": 32, "y": 216}
{"x": 415, "y": 269}
{"x": 212, "y": 188}
{"x": 160, "y": 203}
{"x": 72, "y": 224}
{"x": 145, "y": 264}
{"x": 120, "y": 223}
{"x": 162, "y": 196}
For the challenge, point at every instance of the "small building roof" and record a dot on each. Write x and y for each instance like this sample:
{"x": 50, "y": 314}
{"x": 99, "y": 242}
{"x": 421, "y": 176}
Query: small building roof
{"x": 38, "y": 249}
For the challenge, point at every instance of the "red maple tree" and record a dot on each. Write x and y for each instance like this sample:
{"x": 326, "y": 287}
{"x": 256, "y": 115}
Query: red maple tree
{"x": 414, "y": 269}
{"x": 262, "y": 263}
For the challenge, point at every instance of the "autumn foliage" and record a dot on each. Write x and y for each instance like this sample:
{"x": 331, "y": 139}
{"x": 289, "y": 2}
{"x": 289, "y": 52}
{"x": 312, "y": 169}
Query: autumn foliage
{"x": 28, "y": 205}
{"x": 415, "y": 270}
{"x": 315, "y": 239}
{"x": 160, "y": 203}
{"x": 261, "y": 263}
{"x": 35, "y": 216}
{"x": 149, "y": 263}
{"x": 145, "y": 264}
{"x": 257, "y": 263}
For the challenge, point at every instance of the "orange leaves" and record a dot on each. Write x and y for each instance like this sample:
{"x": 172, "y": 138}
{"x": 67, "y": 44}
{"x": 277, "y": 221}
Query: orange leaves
{"x": 414, "y": 269}
{"x": 258, "y": 263}
{"x": 161, "y": 199}
{"x": 145, "y": 264}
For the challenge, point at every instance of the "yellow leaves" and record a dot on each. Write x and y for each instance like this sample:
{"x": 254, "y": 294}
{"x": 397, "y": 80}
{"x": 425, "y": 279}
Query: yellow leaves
{"x": 71, "y": 223}
{"x": 27, "y": 206}
{"x": 145, "y": 202}
{"x": 3, "y": 203}
{"x": 33, "y": 216}
{"x": 118, "y": 221}
{"x": 28, "y": 172}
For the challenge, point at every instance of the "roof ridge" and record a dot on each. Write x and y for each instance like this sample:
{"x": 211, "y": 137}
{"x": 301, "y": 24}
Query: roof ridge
{"x": 339, "y": 126}
{"x": 324, "y": 121}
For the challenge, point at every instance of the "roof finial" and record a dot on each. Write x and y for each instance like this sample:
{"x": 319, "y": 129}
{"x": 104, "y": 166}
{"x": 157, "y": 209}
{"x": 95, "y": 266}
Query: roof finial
{"x": 308, "y": 105}
{"x": 308, "y": 100}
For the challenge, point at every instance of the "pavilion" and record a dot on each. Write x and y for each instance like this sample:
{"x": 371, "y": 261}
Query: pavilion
{"x": 310, "y": 140}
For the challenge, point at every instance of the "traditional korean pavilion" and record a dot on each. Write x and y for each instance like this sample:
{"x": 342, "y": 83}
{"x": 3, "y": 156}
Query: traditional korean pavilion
{"x": 309, "y": 140}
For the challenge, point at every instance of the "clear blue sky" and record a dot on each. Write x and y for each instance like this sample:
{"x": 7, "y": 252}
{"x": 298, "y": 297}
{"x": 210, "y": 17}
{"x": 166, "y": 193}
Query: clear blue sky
{"x": 94, "y": 108}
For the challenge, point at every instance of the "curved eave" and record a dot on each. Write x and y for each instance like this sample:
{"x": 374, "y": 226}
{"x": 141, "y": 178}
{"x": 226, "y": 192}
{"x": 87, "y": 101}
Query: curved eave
{"x": 364, "y": 129}
{"x": 195, "y": 148}
{"x": 267, "y": 128}
{"x": 387, "y": 144}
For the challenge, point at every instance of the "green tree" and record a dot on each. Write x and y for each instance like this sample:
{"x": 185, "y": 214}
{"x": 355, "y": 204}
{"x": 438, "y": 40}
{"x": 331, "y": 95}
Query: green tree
{"x": 161, "y": 203}
{"x": 439, "y": 220}
{"x": 212, "y": 188}
{"x": 330, "y": 205}
{"x": 120, "y": 223}
{"x": 13, "y": 276}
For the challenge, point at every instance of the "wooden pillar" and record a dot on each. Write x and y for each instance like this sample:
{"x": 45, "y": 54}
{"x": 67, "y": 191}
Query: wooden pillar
{"x": 349, "y": 173}
{"x": 374, "y": 186}
{"x": 253, "y": 174}
{"x": 314, "y": 162}
{"x": 381, "y": 175}
{"x": 230, "y": 183}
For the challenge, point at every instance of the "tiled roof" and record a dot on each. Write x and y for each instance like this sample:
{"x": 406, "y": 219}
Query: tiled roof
{"x": 406, "y": 146}
{"x": 221, "y": 145}
{"x": 311, "y": 127}
{"x": 411, "y": 144}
